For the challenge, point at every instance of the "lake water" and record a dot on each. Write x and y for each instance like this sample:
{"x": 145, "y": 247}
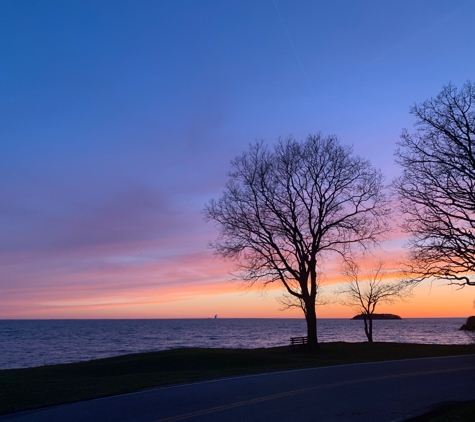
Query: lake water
{"x": 26, "y": 343}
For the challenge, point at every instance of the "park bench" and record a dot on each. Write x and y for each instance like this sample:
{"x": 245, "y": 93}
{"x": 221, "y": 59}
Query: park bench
{"x": 298, "y": 342}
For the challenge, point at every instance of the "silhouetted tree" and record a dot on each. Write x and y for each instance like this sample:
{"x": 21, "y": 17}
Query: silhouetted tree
{"x": 365, "y": 292}
{"x": 437, "y": 188}
{"x": 285, "y": 207}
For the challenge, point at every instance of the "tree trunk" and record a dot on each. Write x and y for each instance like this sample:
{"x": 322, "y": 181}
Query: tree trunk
{"x": 370, "y": 336}
{"x": 311, "y": 317}
{"x": 368, "y": 327}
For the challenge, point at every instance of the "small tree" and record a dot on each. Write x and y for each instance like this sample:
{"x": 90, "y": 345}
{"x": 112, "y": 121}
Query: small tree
{"x": 437, "y": 188}
{"x": 285, "y": 208}
{"x": 365, "y": 294}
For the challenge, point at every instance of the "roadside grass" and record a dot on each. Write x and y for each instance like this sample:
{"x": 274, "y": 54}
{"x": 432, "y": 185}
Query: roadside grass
{"x": 22, "y": 389}
{"x": 464, "y": 413}
{"x": 461, "y": 411}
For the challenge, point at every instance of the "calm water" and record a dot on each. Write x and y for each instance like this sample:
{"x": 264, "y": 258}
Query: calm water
{"x": 25, "y": 343}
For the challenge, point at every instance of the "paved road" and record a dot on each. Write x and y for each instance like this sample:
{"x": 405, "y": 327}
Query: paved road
{"x": 376, "y": 392}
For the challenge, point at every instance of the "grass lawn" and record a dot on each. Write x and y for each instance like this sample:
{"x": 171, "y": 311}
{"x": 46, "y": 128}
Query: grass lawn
{"x": 22, "y": 389}
{"x": 463, "y": 413}
{"x": 449, "y": 412}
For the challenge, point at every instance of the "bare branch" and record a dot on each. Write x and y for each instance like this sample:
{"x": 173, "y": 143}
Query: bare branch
{"x": 437, "y": 188}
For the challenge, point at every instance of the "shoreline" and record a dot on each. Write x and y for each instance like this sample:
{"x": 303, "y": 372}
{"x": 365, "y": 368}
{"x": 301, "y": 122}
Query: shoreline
{"x": 32, "y": 343}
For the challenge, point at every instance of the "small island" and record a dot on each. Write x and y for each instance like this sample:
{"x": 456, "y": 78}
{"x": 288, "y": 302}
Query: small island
{"x": 379, "y": 316}
{"x": 469, "y": 325}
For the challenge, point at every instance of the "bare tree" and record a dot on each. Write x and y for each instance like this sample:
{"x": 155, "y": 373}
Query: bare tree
{"x": 285, "y": 208}
{"x": 437, "y": 188}
{"x": 365, "y": 294}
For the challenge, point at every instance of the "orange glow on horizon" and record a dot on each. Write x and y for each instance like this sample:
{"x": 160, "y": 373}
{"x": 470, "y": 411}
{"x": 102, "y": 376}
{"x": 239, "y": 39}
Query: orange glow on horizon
{"x": 194, "y": 285}
{"x": 225, "y": 300}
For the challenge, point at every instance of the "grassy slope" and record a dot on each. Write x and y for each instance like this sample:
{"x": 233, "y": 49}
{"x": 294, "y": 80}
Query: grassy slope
{"x": 448, "y": 412}
{"x": 464, "y": 413}
{"x": 48, "y": 385}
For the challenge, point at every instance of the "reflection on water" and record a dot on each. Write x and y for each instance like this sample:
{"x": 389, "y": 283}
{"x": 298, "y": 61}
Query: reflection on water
{"x": 26, "y": 343}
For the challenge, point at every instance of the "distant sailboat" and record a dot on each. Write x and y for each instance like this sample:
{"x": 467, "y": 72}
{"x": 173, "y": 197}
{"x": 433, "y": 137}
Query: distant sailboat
{"x": 216, "y": 316}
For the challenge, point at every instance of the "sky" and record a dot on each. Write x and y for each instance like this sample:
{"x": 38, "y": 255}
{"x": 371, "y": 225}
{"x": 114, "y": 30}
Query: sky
{"x": 119, "y": 119}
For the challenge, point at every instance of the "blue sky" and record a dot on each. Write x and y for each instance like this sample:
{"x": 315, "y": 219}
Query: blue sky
{"x": 118, "y": 120}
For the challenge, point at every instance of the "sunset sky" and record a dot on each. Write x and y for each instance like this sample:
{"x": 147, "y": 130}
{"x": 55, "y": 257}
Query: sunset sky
{"x": 119, "y": 120}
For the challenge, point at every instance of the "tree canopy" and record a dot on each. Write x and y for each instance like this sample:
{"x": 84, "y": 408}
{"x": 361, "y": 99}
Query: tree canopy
{"x": 437, "y": 187}
{"x": 285, "y": 207}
